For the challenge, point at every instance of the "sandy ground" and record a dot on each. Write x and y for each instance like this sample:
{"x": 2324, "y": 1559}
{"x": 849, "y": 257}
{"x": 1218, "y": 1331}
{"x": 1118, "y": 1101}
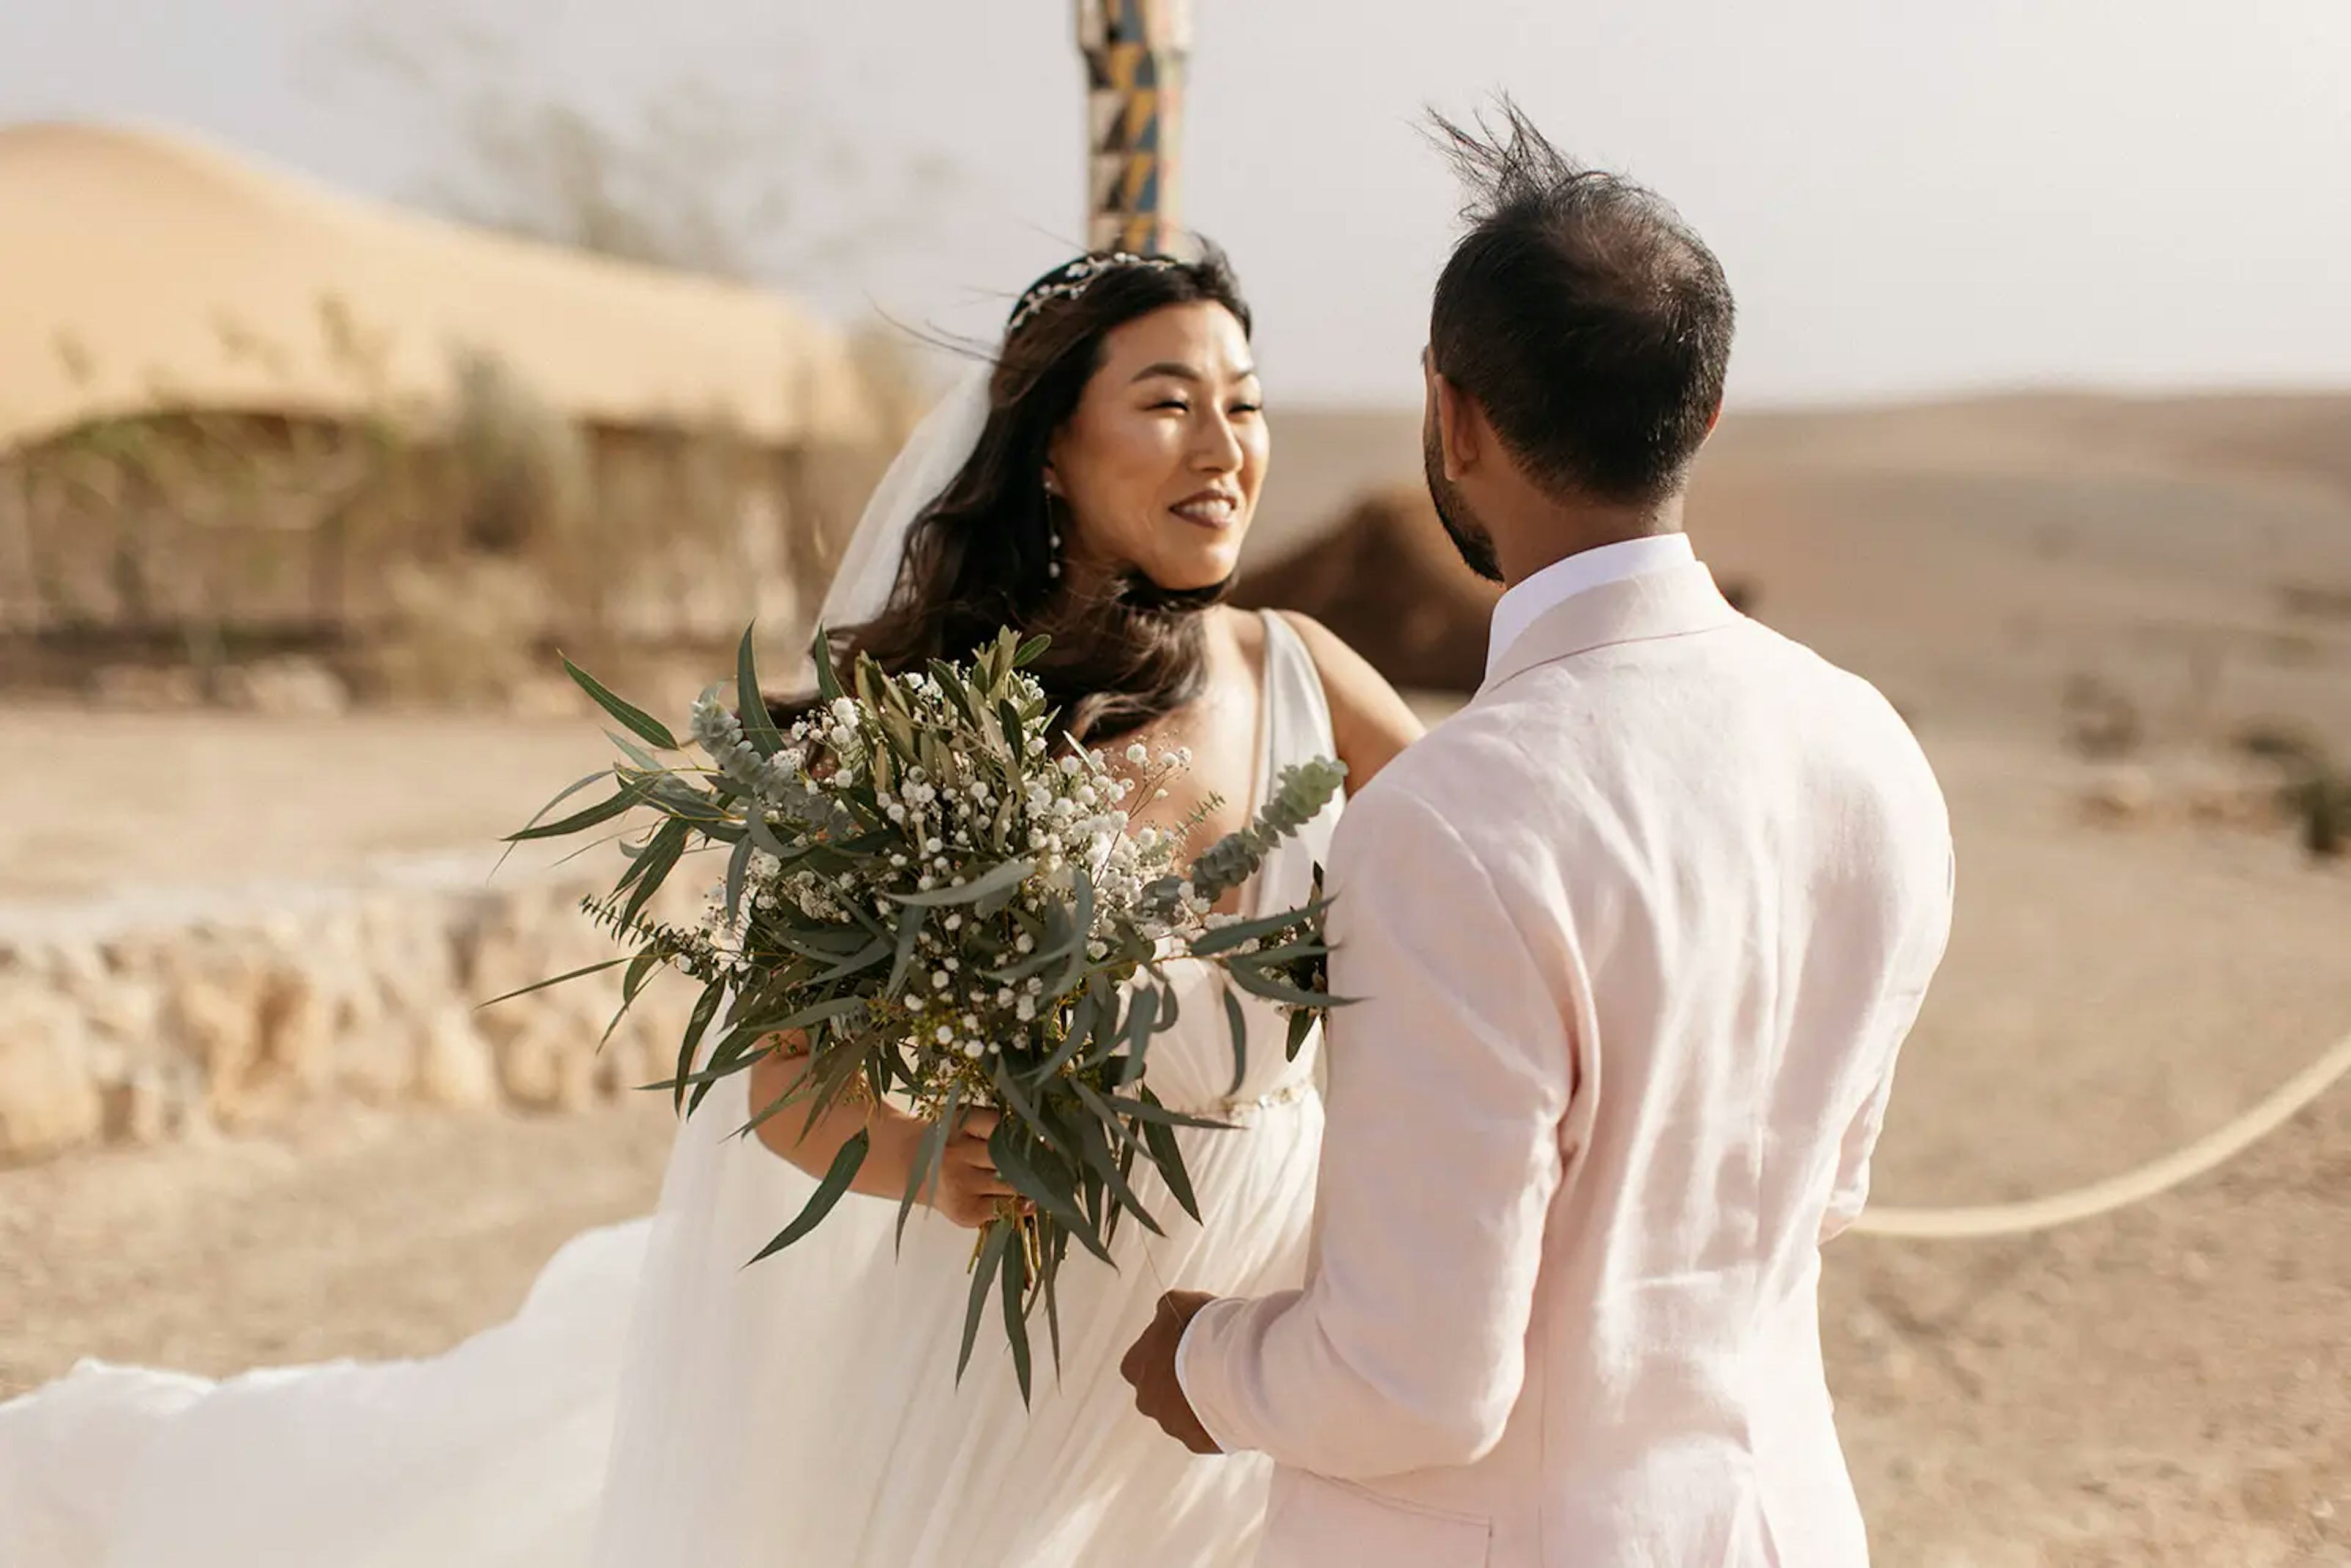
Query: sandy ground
{"x": 2168, "y": 1387}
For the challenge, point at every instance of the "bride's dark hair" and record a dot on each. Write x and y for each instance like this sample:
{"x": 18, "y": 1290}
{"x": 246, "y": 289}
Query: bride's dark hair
{"x": 980, "y": 557}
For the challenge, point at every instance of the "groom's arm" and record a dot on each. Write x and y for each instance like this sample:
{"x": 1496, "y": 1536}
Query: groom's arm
{"x": 1449, "y": 1080}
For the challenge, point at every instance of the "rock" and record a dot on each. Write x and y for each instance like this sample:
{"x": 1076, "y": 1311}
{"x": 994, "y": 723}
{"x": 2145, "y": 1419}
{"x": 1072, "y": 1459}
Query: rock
{"x": 297, "y": 1027}
{"x": 2119, "y": 795}
{"x": 148, "y": 1106}
{"x": 453, "y": 1063}
{"x": 546, "y": 1066}
{"x": 48, "y": 1100}
{"x": 132, "y": 686}
{"x": 291, "y": 687}
{"x": 215, "y": 1018}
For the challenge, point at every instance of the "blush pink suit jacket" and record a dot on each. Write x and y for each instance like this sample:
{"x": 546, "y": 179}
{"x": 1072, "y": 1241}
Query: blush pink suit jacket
{"x": 1637, "y": 934}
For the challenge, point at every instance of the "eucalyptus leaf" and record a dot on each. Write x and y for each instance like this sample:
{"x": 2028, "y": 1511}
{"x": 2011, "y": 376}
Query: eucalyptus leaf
{"x": 561, "y": 796}
{"x": 542, "y": 984}
{"x": 751, "y": 706}
{"x": 1160, "y": 1139}
{"x": 928, "y": 1153}
{"x": 738, "y": 865}
{"x": 1238, "y": 1021}
{"x": 639, "y": 722}
{"x": 1225, "y": 938}
{"x": 1016, "y": 1324}
{"x": 1260, "y": 983}
{"x": 1004, "y": 1147}
{"x": 705, "y": 1008}
{"x": 605, "y": 810}
{"x": 983, "y": 1275}
{"x": 837, "y": 1177}
{"x": 910, "y": 938}
{"x": 1097, "y": 1155}
{"x": 654, "y": 865}
{"x": 827, "y": 682}
{"x": 1011, "y": 873}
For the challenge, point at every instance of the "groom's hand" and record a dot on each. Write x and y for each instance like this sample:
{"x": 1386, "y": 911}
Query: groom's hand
{"x": 1150, "y": 1367}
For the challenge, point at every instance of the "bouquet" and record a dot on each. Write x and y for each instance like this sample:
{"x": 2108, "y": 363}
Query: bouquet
{"x": 936, "y": 896}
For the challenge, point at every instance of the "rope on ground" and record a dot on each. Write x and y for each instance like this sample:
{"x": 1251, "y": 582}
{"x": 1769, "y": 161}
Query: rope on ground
{"x": 2214, "y": 1149}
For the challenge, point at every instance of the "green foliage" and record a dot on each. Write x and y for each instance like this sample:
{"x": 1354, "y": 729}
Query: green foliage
{"x": 945, "y": 903}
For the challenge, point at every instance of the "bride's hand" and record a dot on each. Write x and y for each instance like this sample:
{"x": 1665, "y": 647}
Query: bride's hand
{"x": 967, "y": 1189}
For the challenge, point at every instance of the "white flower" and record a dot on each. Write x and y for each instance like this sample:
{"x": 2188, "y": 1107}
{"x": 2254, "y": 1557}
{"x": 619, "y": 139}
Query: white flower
{"x": 1024, "y": 942}
{"x": 898, "y": 862}
{"x": 954, "y": 922}
{"x": 970, "y": 1021}
{"x": 946, "y": 1035}
{"x": 896, "y": 813}
{"x": 1138, "y": 753}
{"x": 931, "y": 846}
{"x": 1070, "y": 766}
{"x": 939, "y": 980}
{"x": 1025, "y": 1011}
{"x": 972, "y": 1049}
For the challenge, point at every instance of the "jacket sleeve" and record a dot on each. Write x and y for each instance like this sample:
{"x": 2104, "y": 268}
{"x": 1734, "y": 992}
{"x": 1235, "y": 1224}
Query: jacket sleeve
{"x": 1449, "y": 1080}
{"x": 1850, "y": 1195}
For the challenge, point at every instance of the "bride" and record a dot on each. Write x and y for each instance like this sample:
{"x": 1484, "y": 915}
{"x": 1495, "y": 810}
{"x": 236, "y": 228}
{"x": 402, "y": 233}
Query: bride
{"x": 656, "y": 1403}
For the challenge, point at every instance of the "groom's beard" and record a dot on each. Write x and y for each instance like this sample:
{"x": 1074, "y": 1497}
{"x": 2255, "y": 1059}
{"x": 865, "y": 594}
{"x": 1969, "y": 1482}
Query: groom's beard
{"x": 1461, "y": 525}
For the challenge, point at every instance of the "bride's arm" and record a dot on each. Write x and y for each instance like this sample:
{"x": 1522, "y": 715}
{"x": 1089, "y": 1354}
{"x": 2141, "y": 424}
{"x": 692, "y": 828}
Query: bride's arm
{"x": 967, "y": 1188}
{"x": 1369, "y": 720}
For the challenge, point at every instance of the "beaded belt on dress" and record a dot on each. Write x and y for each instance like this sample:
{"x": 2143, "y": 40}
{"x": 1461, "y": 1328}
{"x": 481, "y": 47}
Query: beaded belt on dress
{"x": 1288, "y": 1094}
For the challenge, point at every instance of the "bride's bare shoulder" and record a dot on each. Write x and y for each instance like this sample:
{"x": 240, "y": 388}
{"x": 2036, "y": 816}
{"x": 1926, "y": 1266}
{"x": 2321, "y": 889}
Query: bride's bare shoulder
{"x": 1369, "y": 720}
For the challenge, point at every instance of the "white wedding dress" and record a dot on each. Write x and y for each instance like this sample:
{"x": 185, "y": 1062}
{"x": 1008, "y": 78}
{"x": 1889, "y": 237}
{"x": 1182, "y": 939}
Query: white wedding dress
{"x": 657, "y": 1404}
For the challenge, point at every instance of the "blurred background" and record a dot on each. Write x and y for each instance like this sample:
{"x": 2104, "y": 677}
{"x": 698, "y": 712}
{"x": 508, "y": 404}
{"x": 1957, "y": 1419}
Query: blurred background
{"x": 353, "y": 360}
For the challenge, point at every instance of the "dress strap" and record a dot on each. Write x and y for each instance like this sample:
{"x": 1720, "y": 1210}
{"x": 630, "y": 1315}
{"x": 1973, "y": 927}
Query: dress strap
{"x": 1297, "y": 713}
{"x": 1297, "y": 729}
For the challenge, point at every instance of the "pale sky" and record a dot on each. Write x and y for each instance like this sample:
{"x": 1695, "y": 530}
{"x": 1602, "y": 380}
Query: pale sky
{"x": 1911, "y": 196}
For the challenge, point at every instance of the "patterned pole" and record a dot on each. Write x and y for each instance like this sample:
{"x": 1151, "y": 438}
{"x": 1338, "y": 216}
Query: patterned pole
{"x": 1135, "y": 52}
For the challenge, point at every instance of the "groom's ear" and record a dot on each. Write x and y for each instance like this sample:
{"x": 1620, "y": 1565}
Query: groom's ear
{"x": 1458, "y": 421}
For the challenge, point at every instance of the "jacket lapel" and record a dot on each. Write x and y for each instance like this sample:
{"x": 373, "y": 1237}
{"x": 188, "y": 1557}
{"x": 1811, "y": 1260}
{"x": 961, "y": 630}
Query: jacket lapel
{"x": 1674, "y": 603}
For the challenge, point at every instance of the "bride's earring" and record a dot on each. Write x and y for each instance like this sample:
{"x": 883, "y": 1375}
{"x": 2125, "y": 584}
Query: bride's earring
{"x": 1053, "y": 531}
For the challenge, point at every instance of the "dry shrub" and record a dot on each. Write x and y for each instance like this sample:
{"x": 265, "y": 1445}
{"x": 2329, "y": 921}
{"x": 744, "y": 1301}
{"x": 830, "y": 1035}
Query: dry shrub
{"x": 2315, "y": 601}
{"x": 2102, "y": 722}
{"x": 2312, "y": 788}
{"x": 465, "y": 637}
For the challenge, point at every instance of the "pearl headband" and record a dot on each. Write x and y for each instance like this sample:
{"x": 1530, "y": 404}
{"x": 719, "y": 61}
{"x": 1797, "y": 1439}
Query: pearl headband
{"x": 1071, "y": 281}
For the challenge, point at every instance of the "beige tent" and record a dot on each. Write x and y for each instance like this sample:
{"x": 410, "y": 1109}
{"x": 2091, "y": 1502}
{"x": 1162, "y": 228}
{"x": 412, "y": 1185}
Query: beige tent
{"x": 141, "y": 273}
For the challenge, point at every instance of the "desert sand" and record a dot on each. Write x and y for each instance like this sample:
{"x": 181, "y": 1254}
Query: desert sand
{"x": 2167, "y": 1386}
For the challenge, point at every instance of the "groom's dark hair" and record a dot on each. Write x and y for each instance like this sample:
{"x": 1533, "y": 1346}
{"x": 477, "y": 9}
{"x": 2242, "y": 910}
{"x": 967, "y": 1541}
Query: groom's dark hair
{"x": 1584, "y": 316}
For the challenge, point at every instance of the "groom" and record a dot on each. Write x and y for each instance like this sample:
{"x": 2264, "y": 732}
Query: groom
{"x": 1636, "y": 936}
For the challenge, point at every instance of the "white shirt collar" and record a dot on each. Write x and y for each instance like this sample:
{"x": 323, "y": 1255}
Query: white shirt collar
{"x": 1555, "y": 584}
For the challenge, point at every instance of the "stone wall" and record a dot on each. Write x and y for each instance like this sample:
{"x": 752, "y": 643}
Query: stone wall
{"x": 127, "y": 1022}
